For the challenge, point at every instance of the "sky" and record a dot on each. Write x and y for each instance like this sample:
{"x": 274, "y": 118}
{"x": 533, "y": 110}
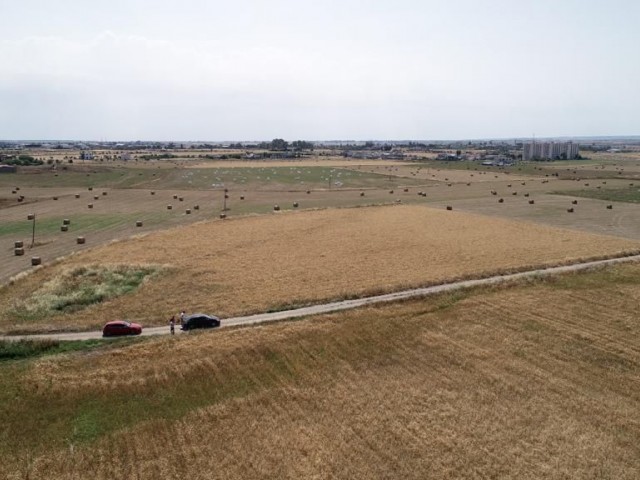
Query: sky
{"x": 197, "y": 70}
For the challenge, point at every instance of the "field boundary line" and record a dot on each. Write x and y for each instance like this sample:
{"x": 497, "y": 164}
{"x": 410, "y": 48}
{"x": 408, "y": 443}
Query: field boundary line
{"x": 358, "y": 302}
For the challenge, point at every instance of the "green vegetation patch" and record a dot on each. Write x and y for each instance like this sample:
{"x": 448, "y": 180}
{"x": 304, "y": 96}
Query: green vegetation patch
{"x": 629, "y": 194}
{"x": 22, "y": 349}
{"x": 80, "y": 287}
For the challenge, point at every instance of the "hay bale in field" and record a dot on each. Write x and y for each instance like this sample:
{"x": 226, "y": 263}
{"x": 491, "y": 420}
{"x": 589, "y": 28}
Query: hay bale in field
{"x": 181, "y": 199}
{"x": 308, "y": 192}
{"x": 16, "y": 188}
{"x": 55, "y": 198}
{"x": 449, "y": 207}
{"x": 104, "y": 194}
{"x": 531, "y": 202}
{"x": 18, "y": 244}
{"x": 64, "y": 228}
{"x": 80, "y": 240}
{"x": 276, "y": 208}
{"x": 468, "y": 184}
{"x": 196, "y": 207}
{"x": 66, "y": 221}
{"x": 77, "y": 195}
{"x": 242, "y": 197}
{"x": 188, "y": 211}
{"x": 31, "y": 216}
{"x": 574, "y": 202}
{"x": 20, "y": 198}
{"x": 586, "y": 184}
{"x": 169, "y": 207}
{"x": 424, "y": 194}
{"x": 226, "y": 195}
{"x": 501, "y": 200}
{"x": 514, "y": 193}
{"x": 570, "y": 210}
{"x": 18, "y": 252}
{"x": 223, "y": 216}
{"x": 493, "y": 192}
{"x": 448, "y": 184}
{"x": 295, "y": 205}
{"x": 96, "y": 197}
{"x": 509, "y": 185}
{"x": 610, "y": 207}
{"x": 523, "y": 183}
{"x": 526, "y": 194}
{"x": 13, "y": 191}
{"x": 406, "y": 190}
{"x": 175, "y": 197}
{"x": 390, "y": 192}
{"x": 604, "y": 183}
{"x": 36, "y": 261}
{"x": 152, "y": 192}
{"x": 90, "y": 188}
{"x": 362, "y": 194}
{"x": 90, "y": 205}
{"x": 138, "y": 223}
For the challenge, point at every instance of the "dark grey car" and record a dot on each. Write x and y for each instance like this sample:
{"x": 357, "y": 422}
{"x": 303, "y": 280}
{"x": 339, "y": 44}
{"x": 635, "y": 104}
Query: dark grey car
{"x": 199, "y": 320}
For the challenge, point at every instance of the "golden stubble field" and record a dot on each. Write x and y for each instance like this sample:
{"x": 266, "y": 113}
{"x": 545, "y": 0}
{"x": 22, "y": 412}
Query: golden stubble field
{"x": 534, "y": 381}
{"x": 256, "y": 264}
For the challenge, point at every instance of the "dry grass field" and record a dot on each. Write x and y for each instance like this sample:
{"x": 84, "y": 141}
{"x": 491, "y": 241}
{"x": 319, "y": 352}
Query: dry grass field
{"x": 537, "y": 381}
{"x": 262, "y": 263}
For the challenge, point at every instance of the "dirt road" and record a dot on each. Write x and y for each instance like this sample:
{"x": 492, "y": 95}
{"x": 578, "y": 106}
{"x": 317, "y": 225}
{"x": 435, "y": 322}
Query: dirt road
{"x": 349, "y": 304}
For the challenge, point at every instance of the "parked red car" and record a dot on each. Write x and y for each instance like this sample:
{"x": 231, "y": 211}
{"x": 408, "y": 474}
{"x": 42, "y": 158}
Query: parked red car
{"x": 121, "y": 327}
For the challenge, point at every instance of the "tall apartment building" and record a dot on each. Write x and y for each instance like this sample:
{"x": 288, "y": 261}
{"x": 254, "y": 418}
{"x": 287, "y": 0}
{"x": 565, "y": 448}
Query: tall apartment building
{"x": 550, "y": 151}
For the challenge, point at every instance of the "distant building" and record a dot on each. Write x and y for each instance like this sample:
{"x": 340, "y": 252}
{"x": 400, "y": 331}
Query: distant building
{"x": 87, "y": 155}
{"x": 550, "y": 151}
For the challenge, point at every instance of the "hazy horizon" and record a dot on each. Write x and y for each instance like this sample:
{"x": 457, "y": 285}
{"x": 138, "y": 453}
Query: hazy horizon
{"x": 408, "y": 69}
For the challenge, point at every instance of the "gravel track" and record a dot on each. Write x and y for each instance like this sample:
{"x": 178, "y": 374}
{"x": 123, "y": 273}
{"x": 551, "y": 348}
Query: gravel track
{"x": 356, "y": 303}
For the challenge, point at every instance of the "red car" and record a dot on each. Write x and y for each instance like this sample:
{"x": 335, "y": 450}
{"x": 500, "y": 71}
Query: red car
{"x": 121, "y": 327}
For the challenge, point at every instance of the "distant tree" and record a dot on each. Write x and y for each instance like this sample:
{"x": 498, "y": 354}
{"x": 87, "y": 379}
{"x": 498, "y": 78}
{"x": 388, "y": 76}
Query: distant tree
{"x": 302, "y": 145}
{"x": 279, "y": 144}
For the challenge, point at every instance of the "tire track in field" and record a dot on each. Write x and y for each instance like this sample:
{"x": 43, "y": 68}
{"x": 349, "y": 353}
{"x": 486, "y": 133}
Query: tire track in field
{"x": 355, "y": 303}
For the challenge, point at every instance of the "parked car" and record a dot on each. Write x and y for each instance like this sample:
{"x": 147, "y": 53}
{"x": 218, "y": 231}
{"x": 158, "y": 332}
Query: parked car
{"x": 121, "y": 327}
{"x": 199, "y": 320}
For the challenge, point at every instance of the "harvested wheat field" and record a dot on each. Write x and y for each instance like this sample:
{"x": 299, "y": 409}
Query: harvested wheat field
{"x": 535, "y": 381}
{"x": 263, "y": 263}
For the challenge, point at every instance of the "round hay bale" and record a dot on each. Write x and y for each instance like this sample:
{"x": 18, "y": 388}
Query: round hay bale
{"x": 18, "y": 244}
{"x": 526, "y": 194}
{"x": 104, "y": 194}
{"x": 424, "y": 194}
{"x": 181, "y": 199}
{"x": 55, "y": 198}
{"x": 362, "y": 194}
{"x": 574, "y": 202}
{"x": 570, "y": 210}
{"x": 196, "y": 207}
{"x": 80, "y": 240}
{"x": 31, "y": 216}
{"x": 390, "y": 192}
{"x": 13, "y": 191}
{"x": 36, "y": 261}
{"x": 468, "y": 184}
{"x": 96, "y": 197}
{"x": 586, "y": 184}
{"x": 501, "y": 200}
{"x": 138, "y": 223}
{"x": 531, "y": 202}
{"x": 308, "y": 192}
{"x": 18, "y": 252}
{"x": 509, "y": 185}
{"x": 20, "y": 198}
{"x": 276, "y": 208}
{"x": 406, "y": 190}
{"x": 449, "y": 207}
{"x": 169, "y": 207}
{"x": 226, "y": 195}
{"x": 188, "y": 211}
{"x": 64, "y": 228}
{"x": 295, "y": 205}
{"x": 223, "y": 216}
{"x": 609, "y": 207}
{"x": 514, "y": 193}
{"x": 175, "y": 197}
{"x": 66, "y": 221}
{"x": 152, "y": 192}
{"x": 493, "y": 192}
{"x": 90, "y": 205}
{"x": 226, "y": 190}
{"x": 90, "y": 188}
{"x": 16, "y": 188}
{"x": 241, "y": 197}
{"x": 77, "y": 195}
{"x": 448, "y": 184}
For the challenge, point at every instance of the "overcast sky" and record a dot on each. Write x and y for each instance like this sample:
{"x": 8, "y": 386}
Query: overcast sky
{"x": 324, "y": 69}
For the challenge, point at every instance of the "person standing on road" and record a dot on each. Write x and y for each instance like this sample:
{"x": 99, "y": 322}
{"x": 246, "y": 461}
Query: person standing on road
{"x": 181, "y": 317}
{"x": 172, "y": 325}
